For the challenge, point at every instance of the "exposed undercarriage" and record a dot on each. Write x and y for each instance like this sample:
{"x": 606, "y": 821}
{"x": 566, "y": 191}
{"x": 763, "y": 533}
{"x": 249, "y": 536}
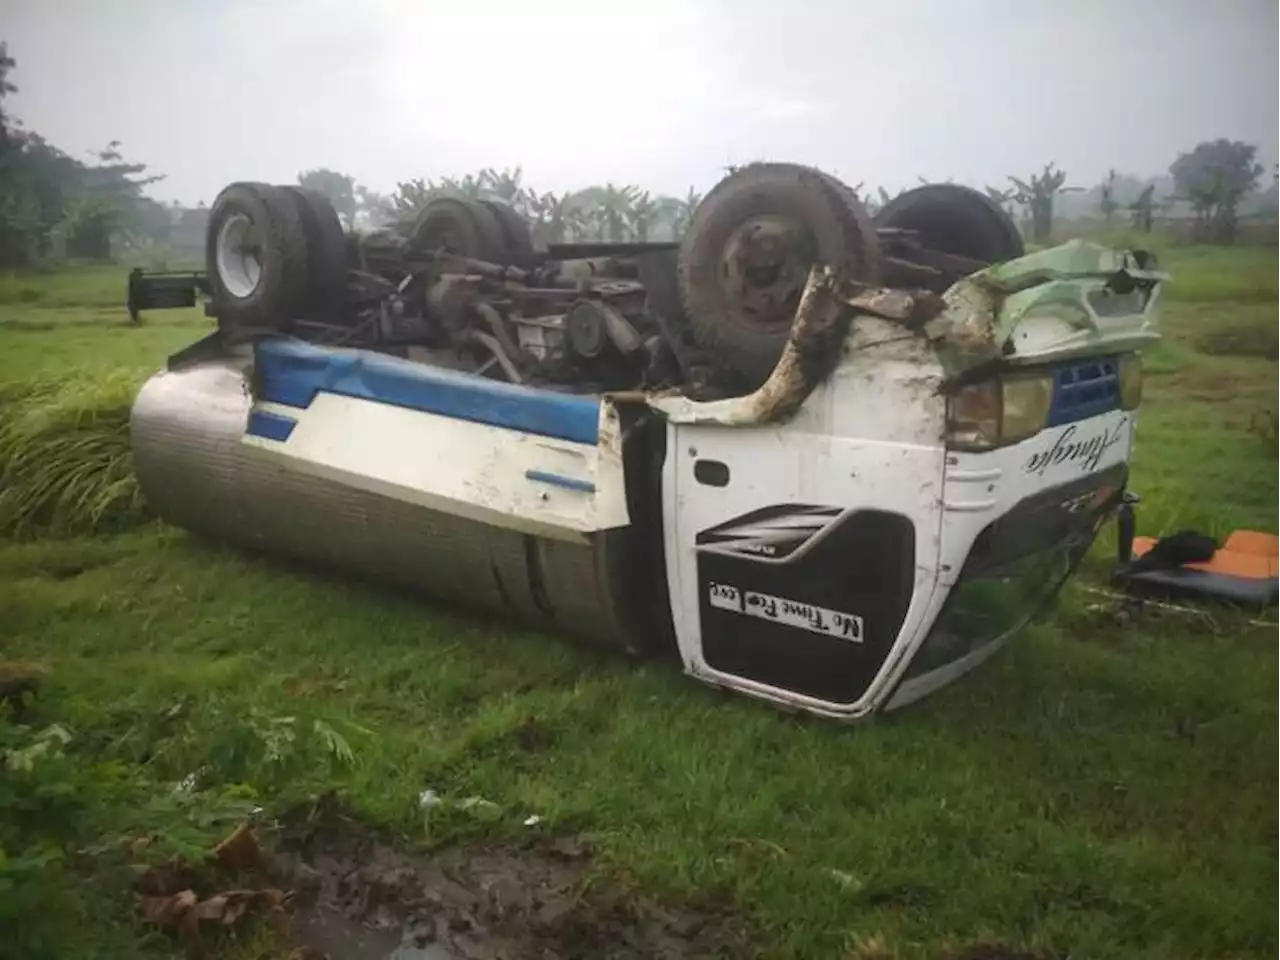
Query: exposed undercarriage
{"x": 462, "y": 285}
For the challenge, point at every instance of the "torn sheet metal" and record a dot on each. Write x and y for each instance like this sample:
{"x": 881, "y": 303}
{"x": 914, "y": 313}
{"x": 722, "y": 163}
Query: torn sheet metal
{"x": 1071, "y": 299}
{"x": 813, "y": 351}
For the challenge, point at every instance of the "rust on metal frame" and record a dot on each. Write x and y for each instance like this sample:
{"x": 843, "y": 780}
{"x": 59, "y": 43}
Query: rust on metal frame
{"x": 812, "y": 352}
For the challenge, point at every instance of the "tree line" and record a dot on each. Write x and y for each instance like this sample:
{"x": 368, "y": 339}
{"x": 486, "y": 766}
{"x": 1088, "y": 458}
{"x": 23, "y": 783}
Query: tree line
{"x": 1216, "y": 182}
{"x": 53, "y": 205}
{"x": 613, "y": 212}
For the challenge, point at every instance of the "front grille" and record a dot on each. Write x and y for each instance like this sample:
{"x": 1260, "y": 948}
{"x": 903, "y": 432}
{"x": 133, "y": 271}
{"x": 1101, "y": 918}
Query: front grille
{"x": 1084, "y": 389}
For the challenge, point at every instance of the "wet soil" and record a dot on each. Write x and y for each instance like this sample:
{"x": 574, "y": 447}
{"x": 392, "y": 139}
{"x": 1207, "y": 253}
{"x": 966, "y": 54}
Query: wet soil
{"x": 360, "y": 898}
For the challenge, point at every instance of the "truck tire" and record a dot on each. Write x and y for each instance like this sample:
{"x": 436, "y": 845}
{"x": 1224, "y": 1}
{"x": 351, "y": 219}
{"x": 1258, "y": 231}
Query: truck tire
{"x": 517, "y": 239}
{"x": 460, "y": 225}
{"x": 955, "y": 219}
{"x": 747, "y": 254}
{"x": 326, "y": 252}
{"x": 846, "y": 191}
{"x": 256, "y": 256}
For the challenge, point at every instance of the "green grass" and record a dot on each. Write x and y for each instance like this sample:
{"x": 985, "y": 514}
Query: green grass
{"x": 1095, "y": 791}
{"x": 1221, "y": 274}
{"x": 77, "y": 318}
{"x": 1245, "y": 339}
{"x": 66, "y": 465}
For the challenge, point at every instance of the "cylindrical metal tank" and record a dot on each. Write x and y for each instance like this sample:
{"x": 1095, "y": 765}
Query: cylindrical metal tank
{"x": 196, "y": 473}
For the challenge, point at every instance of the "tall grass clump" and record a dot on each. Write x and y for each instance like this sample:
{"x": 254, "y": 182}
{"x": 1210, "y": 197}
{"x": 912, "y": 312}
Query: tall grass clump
{"x": 66, "y": 466}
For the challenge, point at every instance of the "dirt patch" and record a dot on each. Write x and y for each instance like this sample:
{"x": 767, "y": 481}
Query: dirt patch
{"x": 877, "y": 947}
{"x": 359, "y": 898}
{"x": 19, "y": 683}
{"x": 993, "y": 951}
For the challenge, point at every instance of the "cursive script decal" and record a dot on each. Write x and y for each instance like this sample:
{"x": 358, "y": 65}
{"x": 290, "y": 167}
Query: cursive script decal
{"x": 1071, "y": 448}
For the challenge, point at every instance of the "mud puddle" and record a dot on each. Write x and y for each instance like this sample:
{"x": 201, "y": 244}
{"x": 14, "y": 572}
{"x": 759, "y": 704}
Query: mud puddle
{"x": 358, "y": 898}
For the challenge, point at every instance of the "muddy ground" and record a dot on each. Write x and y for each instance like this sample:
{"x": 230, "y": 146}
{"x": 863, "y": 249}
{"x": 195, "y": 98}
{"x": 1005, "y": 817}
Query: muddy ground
{"x": 335, "y": 889}
{"x": 360, "y": 898}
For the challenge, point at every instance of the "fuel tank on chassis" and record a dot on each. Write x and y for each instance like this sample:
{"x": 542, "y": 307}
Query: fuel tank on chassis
{"x": 197, "y": 472}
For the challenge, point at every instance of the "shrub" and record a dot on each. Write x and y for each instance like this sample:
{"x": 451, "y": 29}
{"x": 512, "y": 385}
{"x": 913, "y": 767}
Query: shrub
{"x": 70, "y": 812}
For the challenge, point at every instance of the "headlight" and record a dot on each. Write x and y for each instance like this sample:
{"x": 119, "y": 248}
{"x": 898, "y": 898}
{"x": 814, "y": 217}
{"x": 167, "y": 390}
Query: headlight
{"x": 1130, "y": 381}
{"x": 998, "y": 411}
{"x": 1027, "y": 401}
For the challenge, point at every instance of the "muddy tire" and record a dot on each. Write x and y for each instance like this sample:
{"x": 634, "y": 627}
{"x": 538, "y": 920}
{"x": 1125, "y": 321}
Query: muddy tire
{"x": 846, "y": 191}
{"x": 659, "y": 272}
{"x": 464, "y": 227}
{"x": 955, "y": 219}
{"x": 327, "y": 252}
{"x": 747, "y": 254}
{"x": 256, "y": 256}
{"x": 517, "y": 238}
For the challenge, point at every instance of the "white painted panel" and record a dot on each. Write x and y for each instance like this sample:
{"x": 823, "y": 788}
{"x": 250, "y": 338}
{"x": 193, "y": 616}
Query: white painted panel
{"x": 466, "y": 469}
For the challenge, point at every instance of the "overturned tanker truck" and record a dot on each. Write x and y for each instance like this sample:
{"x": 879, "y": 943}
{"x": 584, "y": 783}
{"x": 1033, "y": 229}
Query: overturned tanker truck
{"x": 827, "y": 460}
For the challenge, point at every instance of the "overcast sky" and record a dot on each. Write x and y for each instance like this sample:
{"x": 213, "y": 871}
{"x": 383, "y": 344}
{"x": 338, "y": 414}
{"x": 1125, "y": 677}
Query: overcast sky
{"x": 662, "y": 93}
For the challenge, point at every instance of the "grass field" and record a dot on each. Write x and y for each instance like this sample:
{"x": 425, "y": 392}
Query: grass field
{"x": 1096, "y": 791}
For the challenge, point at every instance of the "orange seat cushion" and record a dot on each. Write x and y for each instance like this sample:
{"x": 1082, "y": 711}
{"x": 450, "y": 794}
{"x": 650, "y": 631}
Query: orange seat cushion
{"x": 1253, "y": 542}
{"x": 1247, "y": 554}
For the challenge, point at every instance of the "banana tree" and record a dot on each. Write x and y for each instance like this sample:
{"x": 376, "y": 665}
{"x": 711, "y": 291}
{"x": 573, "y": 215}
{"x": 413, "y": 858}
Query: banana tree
{"x": 1005, "y": 199}
{"x": 1037, "y": 192}
{"x": 1143, "y": 209}
{"x": 608, "y": 210}
{"x": 1107, "y": 204}
{"x": 666, "y": 212}
{"x": 642, "y": 214}
{"x": 411, "y": 195}
{"x": 470, "y": 186}
{"x": 505, "y": 185}
{"x": 555, "y": 218}
{"x": 682, "y": 212}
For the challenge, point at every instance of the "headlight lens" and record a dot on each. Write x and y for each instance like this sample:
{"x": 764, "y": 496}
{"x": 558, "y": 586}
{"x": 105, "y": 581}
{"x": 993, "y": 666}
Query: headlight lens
{"x": 999, "y": 411}
{"x": 1027, "y": 401}
{"x": 1130, "y": 381}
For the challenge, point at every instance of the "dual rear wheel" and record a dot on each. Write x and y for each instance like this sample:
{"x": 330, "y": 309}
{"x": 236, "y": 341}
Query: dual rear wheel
{"x": 274, "y": 255}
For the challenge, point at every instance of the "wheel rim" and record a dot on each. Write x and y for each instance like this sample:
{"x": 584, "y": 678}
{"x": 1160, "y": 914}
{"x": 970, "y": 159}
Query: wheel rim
{"x": 440, "y": 234}
{"x": 239, "y": 256}
{"x": 442, "y": 226}
{"x": 764, "y": 267}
